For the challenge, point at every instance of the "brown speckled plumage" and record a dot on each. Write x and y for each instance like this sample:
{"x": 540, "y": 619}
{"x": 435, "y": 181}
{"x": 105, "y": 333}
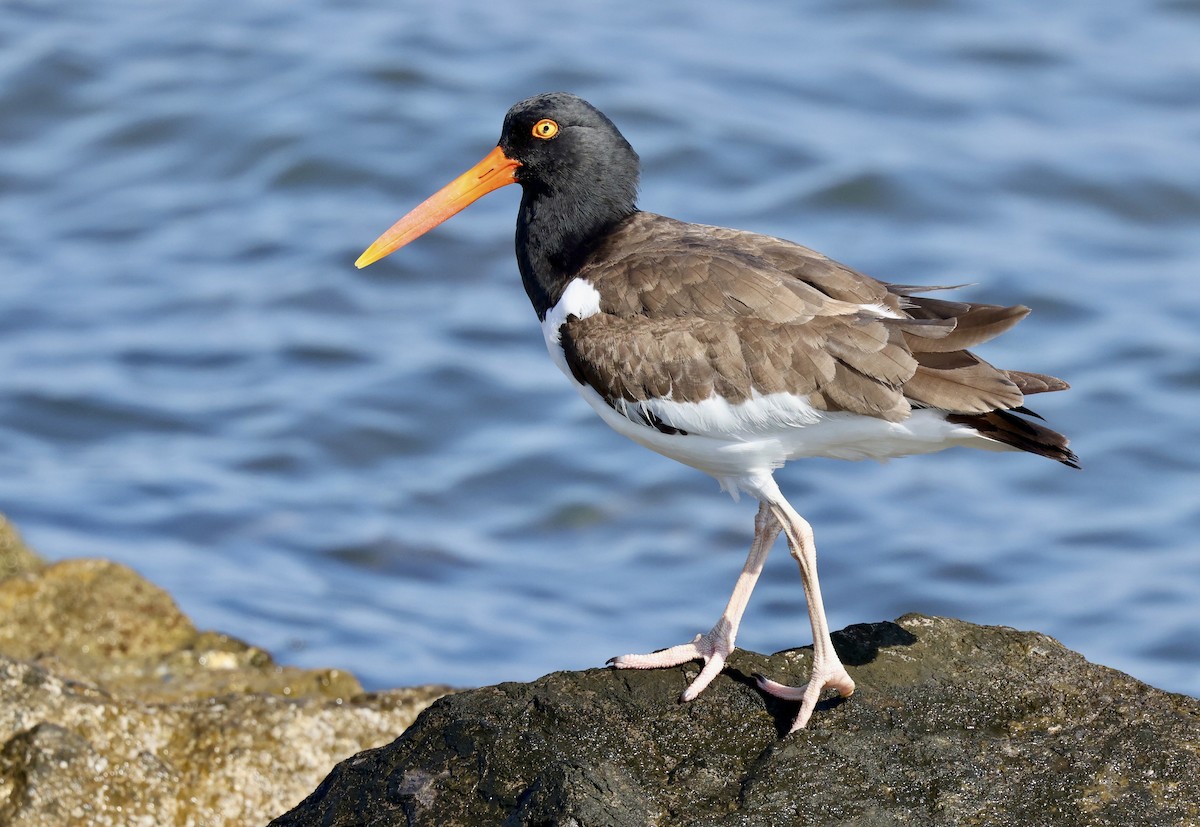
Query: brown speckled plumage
{"x": 689, "y": 311}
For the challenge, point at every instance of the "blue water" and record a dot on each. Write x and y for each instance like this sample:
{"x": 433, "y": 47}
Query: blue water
{"x": 382, "y": 471}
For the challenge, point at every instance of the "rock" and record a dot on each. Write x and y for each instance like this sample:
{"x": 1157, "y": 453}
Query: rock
{"x": 116, "y": 710}
{"x": 73, "y": 754}
{"x": 952, "y": 723}
{"x": 100, "y": 622}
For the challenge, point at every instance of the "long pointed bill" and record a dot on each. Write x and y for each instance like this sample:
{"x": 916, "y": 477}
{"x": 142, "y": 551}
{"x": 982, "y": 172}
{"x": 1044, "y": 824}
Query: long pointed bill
{"x": 494, "y": 171}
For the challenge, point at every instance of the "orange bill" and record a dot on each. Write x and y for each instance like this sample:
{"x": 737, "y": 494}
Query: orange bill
{"x": 494, "y": 171}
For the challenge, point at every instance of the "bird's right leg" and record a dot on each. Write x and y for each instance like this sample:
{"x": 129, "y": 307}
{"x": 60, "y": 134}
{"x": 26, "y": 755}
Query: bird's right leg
{"x": 716, "y": 646}
{"x": 827, "y": 668}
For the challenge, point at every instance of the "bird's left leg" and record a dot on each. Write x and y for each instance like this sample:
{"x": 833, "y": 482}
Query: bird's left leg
{"x": 716, "y": 646}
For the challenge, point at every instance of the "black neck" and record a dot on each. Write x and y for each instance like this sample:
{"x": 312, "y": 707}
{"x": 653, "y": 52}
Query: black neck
{"x": 555, "y": 233}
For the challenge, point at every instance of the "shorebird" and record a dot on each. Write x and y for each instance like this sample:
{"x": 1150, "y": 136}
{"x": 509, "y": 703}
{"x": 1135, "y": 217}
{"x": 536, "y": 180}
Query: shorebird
{"x": 733, "y": 352}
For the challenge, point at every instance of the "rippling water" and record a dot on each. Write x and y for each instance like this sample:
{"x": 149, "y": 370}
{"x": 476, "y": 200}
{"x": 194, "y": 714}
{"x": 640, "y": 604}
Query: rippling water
{"x": 381, "y": 470}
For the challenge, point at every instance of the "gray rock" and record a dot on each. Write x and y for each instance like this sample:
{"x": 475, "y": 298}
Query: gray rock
{"x": 952, "y": 723}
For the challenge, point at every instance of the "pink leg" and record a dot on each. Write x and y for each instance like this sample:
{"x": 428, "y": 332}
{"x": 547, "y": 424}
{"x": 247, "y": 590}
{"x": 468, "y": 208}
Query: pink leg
{"x": 713, "y": 648}
{"x": 827, "y": 670}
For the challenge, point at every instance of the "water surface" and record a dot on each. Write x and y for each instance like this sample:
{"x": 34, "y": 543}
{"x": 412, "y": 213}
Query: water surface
{"x": 382, "y": 471}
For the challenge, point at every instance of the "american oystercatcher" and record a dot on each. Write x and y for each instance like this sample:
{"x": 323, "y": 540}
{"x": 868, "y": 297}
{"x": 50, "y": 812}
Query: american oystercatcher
{"x": 733, "y": 352}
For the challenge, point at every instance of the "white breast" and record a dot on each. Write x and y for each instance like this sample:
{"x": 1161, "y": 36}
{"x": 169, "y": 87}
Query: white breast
{"x": 580, "y": 300}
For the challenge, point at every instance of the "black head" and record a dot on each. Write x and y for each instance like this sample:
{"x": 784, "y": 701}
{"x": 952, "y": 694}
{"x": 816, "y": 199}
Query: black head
{"x": 567, "y": 146}
{"x": 579, "y": 178}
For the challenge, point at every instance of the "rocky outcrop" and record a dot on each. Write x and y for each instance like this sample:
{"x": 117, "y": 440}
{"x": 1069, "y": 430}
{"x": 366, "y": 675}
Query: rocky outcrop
{"x": 116, "y": 710}
{"x": 952, "y": 724}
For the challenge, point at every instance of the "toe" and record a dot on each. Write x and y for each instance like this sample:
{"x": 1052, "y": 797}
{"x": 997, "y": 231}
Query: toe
{"x": 780, "y": 690}
{"x": 833, "y": 677}
{"x": 712, "y": 667}
{"x": 657, "y": 660}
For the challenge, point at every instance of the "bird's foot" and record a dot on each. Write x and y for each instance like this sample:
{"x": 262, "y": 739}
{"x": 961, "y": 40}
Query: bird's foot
{"x": 825, "y": 674}
{"x": 712, "y": 648}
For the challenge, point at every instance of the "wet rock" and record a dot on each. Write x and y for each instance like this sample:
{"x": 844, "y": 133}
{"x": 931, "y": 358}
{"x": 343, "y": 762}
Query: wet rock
{"x": 952, "y": 723}
{"x": 116, "y": 710}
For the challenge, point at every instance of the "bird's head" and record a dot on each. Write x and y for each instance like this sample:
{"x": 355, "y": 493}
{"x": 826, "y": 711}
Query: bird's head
{"x": 555, "y": 145}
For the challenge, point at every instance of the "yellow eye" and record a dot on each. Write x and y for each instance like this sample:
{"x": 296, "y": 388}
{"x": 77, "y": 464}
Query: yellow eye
{"x": 545, "y": 129}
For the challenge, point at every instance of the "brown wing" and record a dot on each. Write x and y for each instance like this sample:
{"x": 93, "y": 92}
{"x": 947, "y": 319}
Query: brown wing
{"x": 835, "y": 365}
{"x": 689, "y": 310}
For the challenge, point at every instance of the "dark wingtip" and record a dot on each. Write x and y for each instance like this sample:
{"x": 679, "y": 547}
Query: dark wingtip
{"x": 1008, "y": 427}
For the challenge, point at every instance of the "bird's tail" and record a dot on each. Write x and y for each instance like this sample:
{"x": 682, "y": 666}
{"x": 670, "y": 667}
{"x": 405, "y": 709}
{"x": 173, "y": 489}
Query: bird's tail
{"x": 1012, "y": 427}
